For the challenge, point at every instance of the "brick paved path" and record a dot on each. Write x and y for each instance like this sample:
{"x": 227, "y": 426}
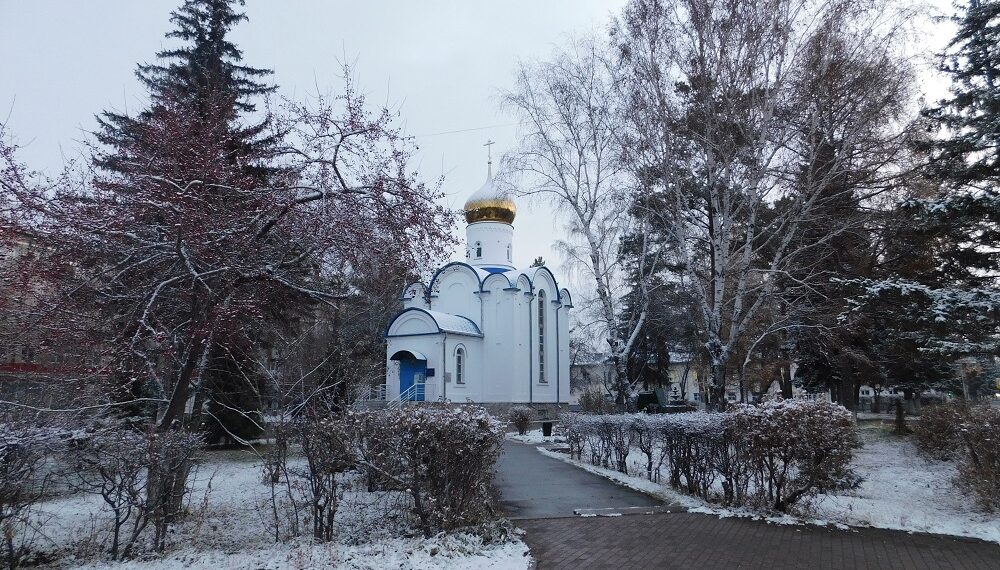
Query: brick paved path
{"x": 687, "y": 540}
{"x": 690, "y": 541}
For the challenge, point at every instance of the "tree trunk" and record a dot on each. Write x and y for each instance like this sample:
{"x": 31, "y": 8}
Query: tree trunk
{"x": 718, "y": 387}
{"x": 900, "y": 418}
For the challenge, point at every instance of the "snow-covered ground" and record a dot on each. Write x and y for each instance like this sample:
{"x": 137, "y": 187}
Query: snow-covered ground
{"x": 230, "y": 529}
{"x": 901, "y": 490}
{"x": 535, "y": 436}
{"x": 459, "y": 552}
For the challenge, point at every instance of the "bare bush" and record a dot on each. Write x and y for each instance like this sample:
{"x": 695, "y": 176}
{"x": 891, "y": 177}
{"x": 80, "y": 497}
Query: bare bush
{"x": 979, "y": 468}
{"x": 113, "y": 464}
{"x": 328, "y": 445}
{"x": 23, "y": 452}
{"x": 520, "y": 417}
{"x": 170, "y": 457}
{"x": 285, "y": 514}
{"x": 938, "y": 433}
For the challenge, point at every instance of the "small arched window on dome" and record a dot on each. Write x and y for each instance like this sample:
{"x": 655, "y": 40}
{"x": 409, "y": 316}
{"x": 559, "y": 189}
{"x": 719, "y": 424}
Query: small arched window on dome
{"x": 479, "y": 249}
{"x": 460, "y": 365}
{"x": 541, "y": 337}
{"x": 508, "y": 252}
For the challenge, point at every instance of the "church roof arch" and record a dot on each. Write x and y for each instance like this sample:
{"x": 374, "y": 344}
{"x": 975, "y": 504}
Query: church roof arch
{"x": 479, "y": 274}
{"x": 501, "y": 279}
{"x": 434, "y": 322}
{"x": 531, "y": 278}
{"x": 414, "y": 290}
{"x": 565, "y": 298}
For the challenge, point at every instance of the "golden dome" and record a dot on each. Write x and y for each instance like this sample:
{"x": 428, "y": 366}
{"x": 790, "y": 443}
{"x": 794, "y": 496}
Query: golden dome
{"x": 490, "y": 204}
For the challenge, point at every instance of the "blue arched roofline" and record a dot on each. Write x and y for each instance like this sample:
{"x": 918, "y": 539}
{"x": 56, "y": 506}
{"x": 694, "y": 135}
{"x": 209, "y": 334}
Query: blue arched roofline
{"x": 475, "y": 273}
{"x": 566, "y": 298}
{"x": 530, "y": 274}
{"x": 467, "y": 326}
{"x": 493, "y": 275}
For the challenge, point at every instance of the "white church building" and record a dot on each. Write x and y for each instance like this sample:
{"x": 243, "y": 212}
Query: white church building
{"x": 481, "y": 330}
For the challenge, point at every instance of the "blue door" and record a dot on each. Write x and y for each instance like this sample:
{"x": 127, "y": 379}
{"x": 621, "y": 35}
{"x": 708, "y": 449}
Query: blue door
{"x": 412, "y": 373}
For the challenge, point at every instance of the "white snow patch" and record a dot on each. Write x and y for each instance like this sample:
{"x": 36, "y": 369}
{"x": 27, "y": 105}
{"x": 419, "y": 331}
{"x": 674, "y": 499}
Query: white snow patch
{"x": 230, "y": 530}
{"x": 902, "y": 490}
{"x": 535, "y": 437}
{"x": 459, "y": 552}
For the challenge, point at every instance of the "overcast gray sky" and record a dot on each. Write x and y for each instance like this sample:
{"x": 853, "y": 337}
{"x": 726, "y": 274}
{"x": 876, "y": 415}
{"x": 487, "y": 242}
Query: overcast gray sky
{"x": 440, "y": 62}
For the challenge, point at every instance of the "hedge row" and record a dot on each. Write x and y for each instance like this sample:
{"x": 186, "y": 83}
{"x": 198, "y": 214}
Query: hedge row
{"x": 769, "y": 455}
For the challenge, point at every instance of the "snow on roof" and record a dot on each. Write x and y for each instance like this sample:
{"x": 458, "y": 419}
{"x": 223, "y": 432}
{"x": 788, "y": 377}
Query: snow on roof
{"x": 454, "y": 323}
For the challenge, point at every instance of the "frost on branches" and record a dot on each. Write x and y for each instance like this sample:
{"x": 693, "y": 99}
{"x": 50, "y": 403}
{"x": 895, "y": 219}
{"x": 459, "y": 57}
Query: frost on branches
{"x": 434, "y": 465}
{"x": 182, "y": 247}
{"x": 771, "y": 455}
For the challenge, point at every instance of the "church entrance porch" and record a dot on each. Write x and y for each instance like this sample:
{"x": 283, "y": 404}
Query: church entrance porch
{"x": 412, "y": 375}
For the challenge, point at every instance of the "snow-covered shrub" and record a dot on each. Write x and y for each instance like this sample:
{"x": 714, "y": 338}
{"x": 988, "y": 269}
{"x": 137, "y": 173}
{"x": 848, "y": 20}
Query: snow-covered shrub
{"x": 645, "y": 436}
{"x": 570, "y": 425}
{"x": 979, "y": 468}
{"x": 443, "y": 457}
{"x": 688, "y": 441}
{"x": 797, "y": 448}
{"x": 328, "y": 446}
{"x": 772, "y": 455}
{"x": 170, "y": 457}
{"x": 938, "y": 433}
{"x": 23, "y": 451}
{"x": 112, "y": 463}
{"x": 520, "y": 417}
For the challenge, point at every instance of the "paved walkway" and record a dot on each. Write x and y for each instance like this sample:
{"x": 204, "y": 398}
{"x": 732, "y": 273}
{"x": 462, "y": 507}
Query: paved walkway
{"x": 686, "y": 540}
{"x": 534, "y": 486}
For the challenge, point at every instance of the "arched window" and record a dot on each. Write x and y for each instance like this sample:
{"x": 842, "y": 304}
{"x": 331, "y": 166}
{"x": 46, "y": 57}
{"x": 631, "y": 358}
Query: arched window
{"x": 460, "y": 365}
{"x": 508, "y": 252}
{"x": 541, "y": 337}
{"x": 479, "y": 250}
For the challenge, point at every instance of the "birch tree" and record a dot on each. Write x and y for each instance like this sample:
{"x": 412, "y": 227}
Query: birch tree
{"x": 719, "y": 108}
{"x": 570, "y": 156}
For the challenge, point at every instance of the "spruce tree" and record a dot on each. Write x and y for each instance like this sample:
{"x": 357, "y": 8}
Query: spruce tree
{"x": 970, "y": 152}
{"x": 202, "y": 93}
{"x": 203, "y": 74}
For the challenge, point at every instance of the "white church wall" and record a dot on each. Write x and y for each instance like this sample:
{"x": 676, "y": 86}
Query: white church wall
{"x": 454, "y": 291}
{"x": 489, "y": 244}
{"x": 563, "y": 392}
{"x": 415, "y": 295}
{"x": 471, "y": 390}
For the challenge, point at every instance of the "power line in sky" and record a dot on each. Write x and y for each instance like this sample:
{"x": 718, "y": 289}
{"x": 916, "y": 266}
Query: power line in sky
{"x": 468, "y": 130}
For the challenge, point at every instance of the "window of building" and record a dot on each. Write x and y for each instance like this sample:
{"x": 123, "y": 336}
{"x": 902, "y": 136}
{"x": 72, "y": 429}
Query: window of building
{"x": 479, "y": 250}
{"x": 508, "y": 252}
{"x": 541, "y": 337}
{"x": 460, "y": 365}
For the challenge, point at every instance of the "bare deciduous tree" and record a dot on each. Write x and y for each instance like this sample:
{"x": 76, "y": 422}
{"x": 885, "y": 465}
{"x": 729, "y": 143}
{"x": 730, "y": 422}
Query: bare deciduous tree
{"x": 570, "y": 156}
{"x": 744, "y": 149}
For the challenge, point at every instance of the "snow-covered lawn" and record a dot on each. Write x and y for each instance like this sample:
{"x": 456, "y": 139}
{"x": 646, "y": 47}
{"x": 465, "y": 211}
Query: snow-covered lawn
{"x": 229, "y": 529}
{"x": 901, "y": 490}
{"x": 535, "y": 436}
